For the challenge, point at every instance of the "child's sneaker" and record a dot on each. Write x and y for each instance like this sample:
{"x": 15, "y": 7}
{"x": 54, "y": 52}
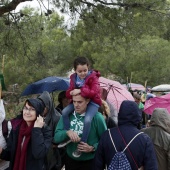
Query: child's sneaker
{"x": 76, "y": 153}
{"x": 64, "y": 144}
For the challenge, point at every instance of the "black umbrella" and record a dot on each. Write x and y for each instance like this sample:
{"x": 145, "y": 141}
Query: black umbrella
{"x": 49, "y": 84}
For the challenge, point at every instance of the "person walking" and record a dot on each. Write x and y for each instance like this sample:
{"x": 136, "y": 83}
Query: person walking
{"x": 159, "y": 132}
{"x": 74, "y": 134}
{"x": 29, "y": 139}
{"x": 140, "y": 153}
{"x": 85, "y": 82}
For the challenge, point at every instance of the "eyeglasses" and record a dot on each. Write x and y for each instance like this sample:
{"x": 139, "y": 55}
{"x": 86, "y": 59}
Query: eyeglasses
{"x": 29, "y": 109}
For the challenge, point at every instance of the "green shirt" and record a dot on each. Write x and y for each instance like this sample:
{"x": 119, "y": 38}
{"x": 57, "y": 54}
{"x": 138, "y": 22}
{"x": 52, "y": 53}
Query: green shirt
{"x": 98, "y": 126}
{"x": 141, "y": 105}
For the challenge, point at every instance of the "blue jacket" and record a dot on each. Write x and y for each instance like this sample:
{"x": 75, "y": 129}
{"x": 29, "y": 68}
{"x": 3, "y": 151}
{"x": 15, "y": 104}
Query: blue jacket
{"x": 38, "y": 146}
{"x": 141, "y": 148}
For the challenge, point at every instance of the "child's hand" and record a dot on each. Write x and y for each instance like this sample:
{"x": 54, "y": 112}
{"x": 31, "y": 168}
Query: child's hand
{"x": 73, "y": 136}
{"x": 75, "y": 92}
{"x": 39, "y": 122}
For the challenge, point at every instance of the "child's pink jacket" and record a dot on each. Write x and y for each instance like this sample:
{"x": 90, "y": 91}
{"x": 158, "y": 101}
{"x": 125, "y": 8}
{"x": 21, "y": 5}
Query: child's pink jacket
{"x": 90, "y": 89}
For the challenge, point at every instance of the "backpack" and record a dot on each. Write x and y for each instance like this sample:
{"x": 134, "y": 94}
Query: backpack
{"x": 119, "y": 160}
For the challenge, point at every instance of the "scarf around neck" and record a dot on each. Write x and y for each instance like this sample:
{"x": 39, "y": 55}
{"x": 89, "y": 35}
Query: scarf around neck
{"x": 22, "y": 146}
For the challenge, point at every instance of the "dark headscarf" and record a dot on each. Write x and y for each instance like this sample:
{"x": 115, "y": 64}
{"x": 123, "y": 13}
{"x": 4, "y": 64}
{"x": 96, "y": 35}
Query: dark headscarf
{"x": 53, "y": 115}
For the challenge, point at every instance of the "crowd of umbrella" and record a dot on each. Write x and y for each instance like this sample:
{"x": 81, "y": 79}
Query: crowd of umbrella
{"x": 116, "y": 92}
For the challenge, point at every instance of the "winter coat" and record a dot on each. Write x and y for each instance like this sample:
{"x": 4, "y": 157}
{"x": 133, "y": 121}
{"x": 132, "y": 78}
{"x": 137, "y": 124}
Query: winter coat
{"x": 90, "y": 89}
{"x": 159, "y": 132}
{"x": 37, "y": 148}
{"x": 141, "y": 148}
{"x": 54, "y": 158}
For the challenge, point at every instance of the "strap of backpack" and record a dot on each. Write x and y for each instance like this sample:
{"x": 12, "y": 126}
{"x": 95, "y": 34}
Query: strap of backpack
{"x": 132, "y": 140}
{"x": 129, "y": 144}
{"x": 112, "y": 140}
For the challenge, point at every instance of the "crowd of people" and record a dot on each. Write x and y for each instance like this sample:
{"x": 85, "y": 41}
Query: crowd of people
{"x": 83, "y": 132}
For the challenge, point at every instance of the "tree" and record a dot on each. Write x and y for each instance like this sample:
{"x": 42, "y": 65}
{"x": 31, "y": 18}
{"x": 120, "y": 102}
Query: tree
{"x": 120, "y": 45}
{"x": 36, "y": 49}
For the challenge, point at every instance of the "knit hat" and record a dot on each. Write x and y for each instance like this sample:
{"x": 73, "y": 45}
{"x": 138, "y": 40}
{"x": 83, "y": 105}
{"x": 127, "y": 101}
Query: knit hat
{"x": 38, "y": 105}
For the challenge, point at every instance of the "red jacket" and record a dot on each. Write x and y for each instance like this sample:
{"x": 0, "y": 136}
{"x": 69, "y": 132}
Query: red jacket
{"x": 90, "y": 89}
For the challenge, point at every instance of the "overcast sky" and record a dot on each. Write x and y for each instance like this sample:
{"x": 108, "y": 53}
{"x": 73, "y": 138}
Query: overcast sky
{"x": 33, "y": 3}
{"x": 38, "y": 4}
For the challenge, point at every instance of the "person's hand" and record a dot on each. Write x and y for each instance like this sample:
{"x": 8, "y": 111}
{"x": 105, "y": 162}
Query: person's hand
{"x": 39, "y": 122}
{"x": 73, "y": 136}
{"x": 84, "y": 147}
{"x": 75, "y": 92}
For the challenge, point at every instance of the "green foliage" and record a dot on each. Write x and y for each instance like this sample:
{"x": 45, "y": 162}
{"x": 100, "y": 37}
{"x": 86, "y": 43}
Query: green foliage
{"x": 121, "y": 38}
{"x": 34, "y": 47}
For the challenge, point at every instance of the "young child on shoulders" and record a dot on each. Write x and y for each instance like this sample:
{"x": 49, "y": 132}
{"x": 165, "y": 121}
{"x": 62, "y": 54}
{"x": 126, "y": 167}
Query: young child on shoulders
{"x": 85, "y": 82}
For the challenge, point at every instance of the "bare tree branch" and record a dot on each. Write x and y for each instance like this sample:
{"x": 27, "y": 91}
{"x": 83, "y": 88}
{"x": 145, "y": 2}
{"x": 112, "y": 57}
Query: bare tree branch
{"x": 10, "y": 6}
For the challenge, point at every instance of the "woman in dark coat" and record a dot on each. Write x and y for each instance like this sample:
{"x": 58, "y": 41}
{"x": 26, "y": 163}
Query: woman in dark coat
{"x": 55, "y": 156}
{"x": 29, "y": 139}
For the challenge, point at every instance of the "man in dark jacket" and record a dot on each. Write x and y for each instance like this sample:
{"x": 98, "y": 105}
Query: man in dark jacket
{"x": 142, "y": 151}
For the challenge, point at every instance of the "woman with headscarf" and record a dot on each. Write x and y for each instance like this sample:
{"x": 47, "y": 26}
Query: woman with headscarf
{"x": 51, "y": 116}
{"x": 29, "y": 139}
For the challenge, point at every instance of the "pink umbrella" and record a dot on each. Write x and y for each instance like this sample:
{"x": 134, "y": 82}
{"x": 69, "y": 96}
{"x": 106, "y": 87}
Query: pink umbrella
{"x": 157, "y": 102}
{"x": 116, "y": 93}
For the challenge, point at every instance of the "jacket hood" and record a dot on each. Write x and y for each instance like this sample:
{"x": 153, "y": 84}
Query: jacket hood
{"x": 52, "y": 115}
{"x": 129, "y": 113}
{"x": 46, "y": 98}
{"x": 161, "y": 117}
{"x": 96, "y": 72}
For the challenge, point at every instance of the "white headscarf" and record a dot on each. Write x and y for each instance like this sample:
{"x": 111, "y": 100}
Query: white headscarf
{"x": 2, "y": 117}
{"x": 2, "y": 111}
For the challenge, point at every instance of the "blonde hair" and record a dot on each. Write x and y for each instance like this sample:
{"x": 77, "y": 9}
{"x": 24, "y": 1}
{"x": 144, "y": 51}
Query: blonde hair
{"x": 104, "y": 108}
